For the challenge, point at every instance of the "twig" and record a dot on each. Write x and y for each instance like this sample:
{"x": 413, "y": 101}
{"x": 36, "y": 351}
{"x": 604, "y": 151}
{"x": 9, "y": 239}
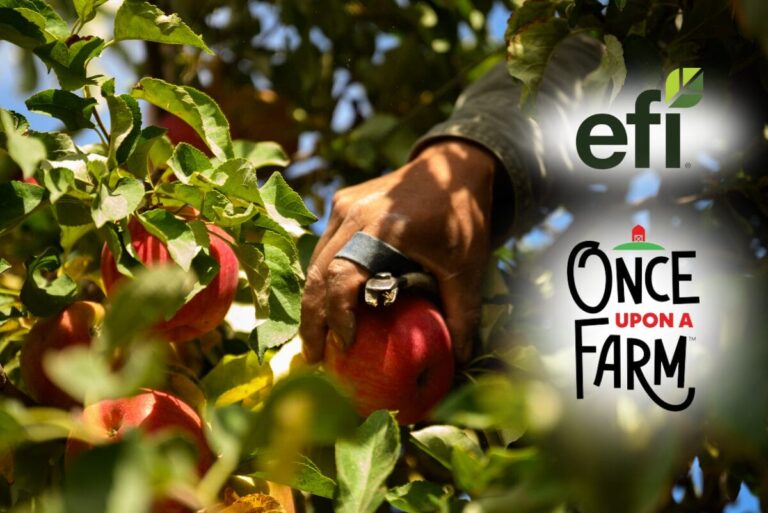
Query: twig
{"x": 7, "y": 389}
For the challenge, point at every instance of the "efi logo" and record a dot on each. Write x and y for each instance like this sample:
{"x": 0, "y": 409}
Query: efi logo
{"x": 684, "y": 88}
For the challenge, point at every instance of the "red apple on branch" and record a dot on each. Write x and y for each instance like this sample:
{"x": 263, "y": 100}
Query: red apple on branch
{"x": 71, "y": 327}
{"x": 207, "y": 308}
{"x": 401, "y": 359}
{"x": 153, "y": 412}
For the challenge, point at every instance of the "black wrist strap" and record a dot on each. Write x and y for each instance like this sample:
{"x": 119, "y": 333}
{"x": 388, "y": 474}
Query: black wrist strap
{"x": 376, "y": 256}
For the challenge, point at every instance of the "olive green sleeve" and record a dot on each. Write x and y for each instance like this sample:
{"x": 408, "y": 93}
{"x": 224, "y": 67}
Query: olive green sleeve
{"x": 489, "y": 113}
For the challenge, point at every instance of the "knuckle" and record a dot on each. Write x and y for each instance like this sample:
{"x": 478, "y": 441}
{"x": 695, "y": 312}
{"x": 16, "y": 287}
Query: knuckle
{"x": 340, "y": 201}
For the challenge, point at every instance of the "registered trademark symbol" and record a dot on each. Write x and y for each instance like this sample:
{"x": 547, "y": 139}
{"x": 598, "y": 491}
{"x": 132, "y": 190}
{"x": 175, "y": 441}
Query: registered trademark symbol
{"x": 688, "y": 165}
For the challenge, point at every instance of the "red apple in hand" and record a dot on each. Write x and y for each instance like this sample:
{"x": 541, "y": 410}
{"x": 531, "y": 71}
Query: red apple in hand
{"x": 153, "y": 412}
{"x": 71, "y": 327}
{"x": 207, "y": 308}
{"x": 402, "y": 359}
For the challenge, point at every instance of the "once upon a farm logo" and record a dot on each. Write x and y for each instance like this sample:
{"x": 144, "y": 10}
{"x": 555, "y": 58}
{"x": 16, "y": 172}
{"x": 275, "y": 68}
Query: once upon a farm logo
{"x": 684, "y": 88}
{"x": 637, "y": 321}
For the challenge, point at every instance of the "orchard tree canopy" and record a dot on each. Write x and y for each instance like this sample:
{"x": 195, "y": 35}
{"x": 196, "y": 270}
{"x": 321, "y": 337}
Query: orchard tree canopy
{"x": 165, "y": 177}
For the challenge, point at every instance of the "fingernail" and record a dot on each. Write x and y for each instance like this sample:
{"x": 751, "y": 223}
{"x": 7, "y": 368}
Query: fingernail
{"x": 348, "y": 329}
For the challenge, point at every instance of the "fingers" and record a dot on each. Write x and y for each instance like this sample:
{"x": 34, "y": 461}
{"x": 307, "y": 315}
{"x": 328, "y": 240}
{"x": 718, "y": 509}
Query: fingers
{"x": 330, "y": 296}
{"x": 343, "y": 284}
{"x": 313, "y": 327}
{"x": 461, "y": 305}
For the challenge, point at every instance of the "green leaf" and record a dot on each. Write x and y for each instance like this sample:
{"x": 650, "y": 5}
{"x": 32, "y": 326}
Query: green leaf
{"x": 30, "y": 23}
{"x": 261, "y": 154}
{"x": 74, "y": 111}
{"x": 21, "y": 28}
{"x": 58, "y": 145}
{"x": 418, "y": 497}
{"x": 125, "y": 127}
{"x": 439, "y": 442}
{"x": 111, "y": 478}
{"x": 125, "y": 259}
{"x": 176, "y": 234}
{"x": 284, "y": 303}
{"x": 86, "y": 9}
{"x": 194, "y": 107}
{"x": 118, "y": 203}
{"x": 305, "y": 476}
{"x": 88, "y": 375}
{"x": 58, "y": 181}
{"x": 237, "y": 178}
{"x": 4, "y": 265}
{"x": 11, "y": 432}
{"x": 139, "y": 162}
{"x": 284, "y": 202}
{"x": 25, "y": 150}
{"x": 238, "y": 379}
{"x": 532, "y": 36}
{"x": 186, "y": 160}
{"x": 17, "y": 201}
{"x": 621, "y": 4}
{"x": 224, "y": 212}
{"x": 136, "y": 19}
{"x": 612, "y": 70}
{"x": 72, "y": 212}
{"x": 364, "y": 462}
{"x": 69, "y": 61}
{"x": 490, "y": 402}
{"x": 108, "y": 87}
{"x": 44, "y": 297}
{"x": 256, "y": 270}
{"x": 160, "y": 290}
{"x": 499, "y": 468}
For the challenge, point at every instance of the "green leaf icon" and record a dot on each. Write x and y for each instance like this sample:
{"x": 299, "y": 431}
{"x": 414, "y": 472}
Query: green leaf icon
{"x": 685, "y": 86}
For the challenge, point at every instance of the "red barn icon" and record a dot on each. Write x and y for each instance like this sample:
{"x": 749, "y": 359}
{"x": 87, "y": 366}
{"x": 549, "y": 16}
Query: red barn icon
{"x": 638, "y": 233}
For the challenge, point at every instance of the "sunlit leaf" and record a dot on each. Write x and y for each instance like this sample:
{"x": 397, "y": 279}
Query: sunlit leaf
{"x": 280, "y": 198}
{"x": 176, "y": 234}
{"x": 261, "y": 154}
{"x": 118, "y": 203}
{"x": 137, "y": 19}
{"x": 194, "y": 107}
{"x": 86, "y": 9}
{"x": 239, "y": 379}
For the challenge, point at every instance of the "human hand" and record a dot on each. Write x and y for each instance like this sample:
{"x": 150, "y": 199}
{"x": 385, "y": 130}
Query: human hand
{"x": 436, "y": 210}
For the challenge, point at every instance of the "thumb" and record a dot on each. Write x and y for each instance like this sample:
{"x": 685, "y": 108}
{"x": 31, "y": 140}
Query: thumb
{"x": 461, "y": 305}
